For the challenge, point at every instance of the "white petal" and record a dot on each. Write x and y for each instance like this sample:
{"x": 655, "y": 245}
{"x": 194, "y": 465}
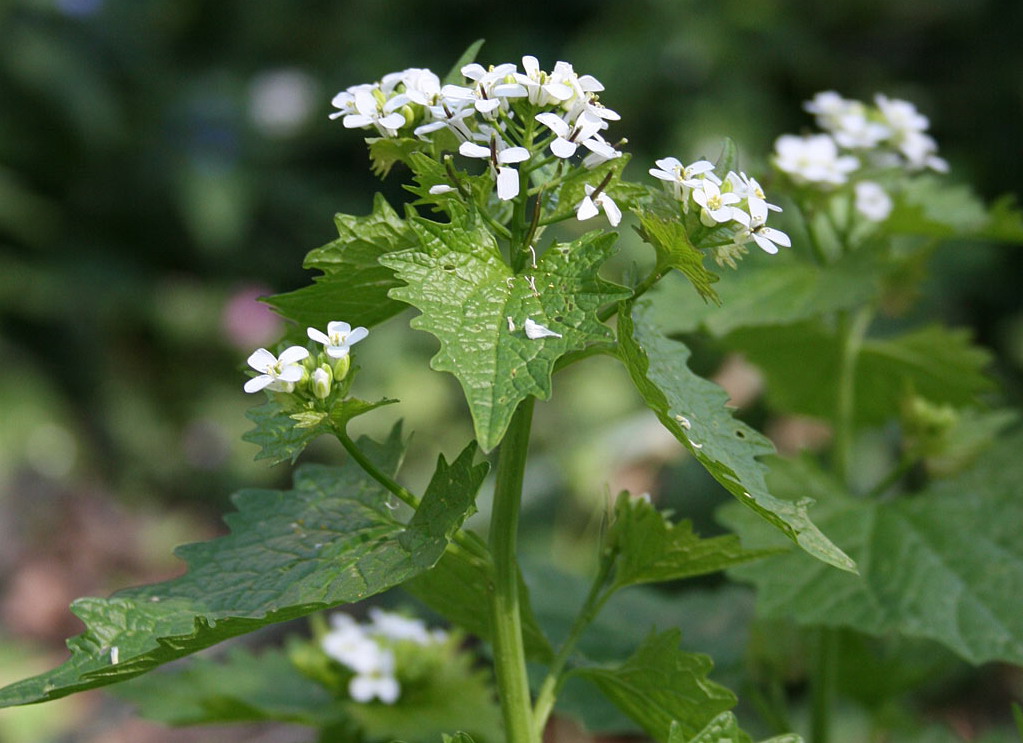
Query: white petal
{"x": 441, "y": 189}
{"x": 356, "y": 121}
{"x": 293, "y": 353}
{"x": 393, "y": 121}
{"x": 535, "y": 331}
{"x": 507, "y": 183}
{"x": 554, "y": 122}
{"x": 587, "y": 210}
{"x": 293, "y": 373}
{"x": 257, "y": 383}
{"x": 486, "y": 105}
{"x": 318, "y": 335}
{"x": 473, "y": 71}
{"x": 531, "y": 65}
{"x": 559, "y": 91}
{"x": 766, "y": 245}
{"x": 357, "y": 335}
{"x": 512, "y": 155}
{"x": 563, "y": 148}
{"x": 509, "y": 90}
{"x": 471, "y": 149}
{"x": 614, "y": 214}
{"x": 775, "y": 236}
{"x": 600, "y": 147}
{"x": 261, "y": 360}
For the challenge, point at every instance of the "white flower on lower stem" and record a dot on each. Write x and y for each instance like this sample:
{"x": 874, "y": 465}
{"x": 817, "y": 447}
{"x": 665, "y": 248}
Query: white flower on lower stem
{"x": 590, "y": 207}
{"x": 683, "y": 178}
{"x": 872, "y": 201}
{"x": 500, "y": 156}
{"x": 813, "y": 159}
{"x": 754, "y": 228}
{"x": 278, "y": 374}
{"x": 395, "y": 626}
{"x": 338, "y": 339}
{"x": 378, "y": 682}
{"x": 715, "y": 206}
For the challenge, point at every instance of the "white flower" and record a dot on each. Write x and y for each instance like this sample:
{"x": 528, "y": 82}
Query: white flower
{"x": 449, "y": 115}
{"x": 750, "y": 189}
{"x": 813, "y": 159}
{"x": 500, "y": 156}
{"x": 590, "y": 206}
{"x": 535, "y": 331}
{"x": 338, "y": 339}
{"x": 585, "y": 131}
{"x": 279, "y": 374}
{"x": 348, "y": 644}
{"x": 490, "y": 88}
{"x": 377, "y": 682}
{"x": 683, "y": 178}
{"x": 421, "y": 86}
{"x": 872, "y": 201}
{"x": 900, "y": 115}
{"x": 829, "y": 108}
{"x": 322, "y": 379}
{"x": 754, "y": 228}
{"x": 716, "y": 207}
{"x": 369, "y": 105}
{"x": 395, "y": 626}
{"x": 541, "y": 89}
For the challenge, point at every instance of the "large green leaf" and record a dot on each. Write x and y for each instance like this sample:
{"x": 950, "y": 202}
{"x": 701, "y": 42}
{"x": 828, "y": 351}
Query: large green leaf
{"x": 802, "y": 363}
{"x": 330, "y": 540}
{"x": 354, "y": 286}
{"x": 652, "y": 549}
{"x": 242, "y": 687}
{"x": 477, "y": 308}
{"x": 458, "y": 588}
{"x": 661, "y": 684}
{"x": 673, "y": 248}
{"x": 944, "y": 564}
{"x": 693, "y": 410}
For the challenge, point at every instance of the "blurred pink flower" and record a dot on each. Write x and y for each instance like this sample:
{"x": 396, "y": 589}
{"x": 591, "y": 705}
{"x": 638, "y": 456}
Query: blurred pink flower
{"x": 248, "y": 322}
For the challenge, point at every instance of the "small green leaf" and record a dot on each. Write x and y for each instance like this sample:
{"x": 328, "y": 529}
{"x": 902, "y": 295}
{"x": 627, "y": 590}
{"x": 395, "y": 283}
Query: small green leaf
{"x": 457, "y": 738}
{"x": 693, "y": 410}
{"x": 455, "y": 76}
{"x": 802, "y": 363}
{"x": 725, "y": 729}
{"x": 674, "y": 250}
{"x": 728, "y": 159}
{"x": 651, "y": 549}
{"x": 477, "y": 308}
{"x": 384, "y": 152}
{"x": 279, "y": 437}
{"x": 661, "y": 684}
{"x": 351, "y": 407}
{"x": 330, "y": 540}
{"x": 354, "y": 286}
{"x": 457, "y": 587}
{"x": 240, "y": 688}
{"x": 945, "y": 564}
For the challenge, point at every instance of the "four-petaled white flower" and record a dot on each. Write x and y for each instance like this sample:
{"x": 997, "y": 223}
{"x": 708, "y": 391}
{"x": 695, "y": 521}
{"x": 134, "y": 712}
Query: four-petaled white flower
{"x": 377, "y": 682}
{"x": 500, "y": 156}
{"x": 338, "y": 339}
{"x": 591, "y": 205}
{"x": 715, "y": 206}
{"x": 584, "y": 131}
{"x": 754, "y": 228}
{"x": 278, "y": 374}
{"x": 541, "y": 88}
{"x": 683, "y": 178}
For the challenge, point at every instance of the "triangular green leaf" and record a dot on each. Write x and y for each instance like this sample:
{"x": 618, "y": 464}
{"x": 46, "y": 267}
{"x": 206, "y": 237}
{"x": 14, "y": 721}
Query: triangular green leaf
{"x": 945, "y": 564}
{"x": 693, "y": 410}
{"x": 802, "y": 363}
{"x": 477, "y": 308}
{"x": 330, "y": 540}
{"x": 276, "y": 434}
{"x": 240, "y": 688}
{"x": 652, "y": 549}
{"x": 661, "y": 684}
{"x": 674, "y": 250}
{"x": 458, "y": 588}
{"x": 354, "y": 286}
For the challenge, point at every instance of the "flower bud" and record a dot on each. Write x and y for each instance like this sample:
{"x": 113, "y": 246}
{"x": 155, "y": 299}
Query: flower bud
{"x": 341, "y": 367}
{"x": 323, "y": 379}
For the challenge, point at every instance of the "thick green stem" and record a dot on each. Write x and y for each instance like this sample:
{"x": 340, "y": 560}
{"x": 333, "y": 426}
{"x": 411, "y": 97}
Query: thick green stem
{"x": 641, "y": 288}
{"x": 509, "y": 653}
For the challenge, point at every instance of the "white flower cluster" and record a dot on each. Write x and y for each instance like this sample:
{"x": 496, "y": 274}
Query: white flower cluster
{"x": 890, "y": 134}
{"x": 281, "y": 374}
{"x": 368, "y": 650}
{"x": 737, "y": 201}
{"x": 492, "y": 116}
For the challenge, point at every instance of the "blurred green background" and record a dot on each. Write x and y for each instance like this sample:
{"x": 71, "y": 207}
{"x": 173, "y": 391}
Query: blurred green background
{"x": 163, "y": 162}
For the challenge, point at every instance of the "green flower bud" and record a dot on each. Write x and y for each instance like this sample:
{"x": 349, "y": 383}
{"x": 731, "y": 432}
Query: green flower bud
{"x": 323, "y": 380}
{"x": 341, "y": 367}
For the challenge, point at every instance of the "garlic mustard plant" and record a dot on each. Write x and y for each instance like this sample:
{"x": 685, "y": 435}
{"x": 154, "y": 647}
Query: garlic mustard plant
{"x": 498, "y": 256}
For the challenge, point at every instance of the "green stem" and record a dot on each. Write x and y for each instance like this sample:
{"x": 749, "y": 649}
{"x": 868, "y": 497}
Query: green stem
{"x": 641, "y": 288}
{"x": 852, "y": 331}
{"x": 823, "y": 689}
{"x": 509, "y": 653}
{"x": 555, "y": 675}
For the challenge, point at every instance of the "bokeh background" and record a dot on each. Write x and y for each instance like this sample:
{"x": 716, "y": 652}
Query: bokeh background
{"x": 165, "y": 162}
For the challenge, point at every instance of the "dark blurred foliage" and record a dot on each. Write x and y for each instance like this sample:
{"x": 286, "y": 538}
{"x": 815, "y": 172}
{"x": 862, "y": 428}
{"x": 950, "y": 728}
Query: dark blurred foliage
{"x": 161, "y": 157}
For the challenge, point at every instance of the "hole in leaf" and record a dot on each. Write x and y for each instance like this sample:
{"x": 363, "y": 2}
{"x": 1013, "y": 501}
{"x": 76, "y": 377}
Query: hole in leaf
{"x": 448, "y": 266}
{"x": 740, "y": 435}
{"x": 558, "y": 318}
